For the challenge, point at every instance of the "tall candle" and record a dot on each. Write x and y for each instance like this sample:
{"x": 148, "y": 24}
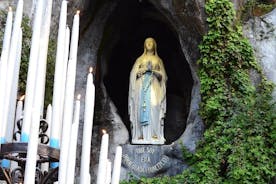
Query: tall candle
{"x": 67, "y": 121}
{"x": 87, "y": 128}
{"x": 57, "y": 95}
{"x": 3, "y": 66}
{"x": 9, "y": 111}
{"x": 103, "y": 159}
{"x": 65, "y": 66}
{"x": 32, "y": 72}
{"x": 39, "y": 87}
{"x": 6, "y": 39}
{"x": 68, "y": 102}
{"x": 44, "y": 37}
{"x": 117, "y": 166}
{"x": 45, "y": 166}
{"x": 5, "y": 99}
{"x": 73, "y": 144}
{"x": 12, "y": 103}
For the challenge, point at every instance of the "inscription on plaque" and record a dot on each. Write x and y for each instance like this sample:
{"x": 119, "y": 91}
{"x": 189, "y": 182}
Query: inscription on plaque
{"x": 145, "y": 160}
{"x": 152, "y": 169}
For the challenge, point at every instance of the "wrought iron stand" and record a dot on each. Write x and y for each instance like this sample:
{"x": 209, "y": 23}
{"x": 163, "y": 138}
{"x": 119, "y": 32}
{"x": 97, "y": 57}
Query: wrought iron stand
{"x": 17, "y": 152}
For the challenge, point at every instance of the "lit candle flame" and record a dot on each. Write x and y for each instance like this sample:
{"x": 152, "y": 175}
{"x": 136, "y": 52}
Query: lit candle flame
{"x": 90, "y": 69}
{"x": 10, "y": 8}
{"x": 79, "y": 97}
{"x": 78, "y": 12}
{"x": 104, "y": 131}
{"x": 22, "y": 98}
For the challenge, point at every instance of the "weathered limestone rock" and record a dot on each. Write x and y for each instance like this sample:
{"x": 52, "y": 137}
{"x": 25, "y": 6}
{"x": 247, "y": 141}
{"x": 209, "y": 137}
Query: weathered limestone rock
{"x": 261, "y": 32}
{"x": 4, "y": 4}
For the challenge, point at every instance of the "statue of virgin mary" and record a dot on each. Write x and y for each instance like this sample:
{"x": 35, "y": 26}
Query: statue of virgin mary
{"x": 147, "y": 97}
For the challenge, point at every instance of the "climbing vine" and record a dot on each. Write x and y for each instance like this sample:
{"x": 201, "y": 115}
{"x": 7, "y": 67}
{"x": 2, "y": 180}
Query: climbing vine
{"x": 239, "y": 143}
{"x": 253, "y": 8}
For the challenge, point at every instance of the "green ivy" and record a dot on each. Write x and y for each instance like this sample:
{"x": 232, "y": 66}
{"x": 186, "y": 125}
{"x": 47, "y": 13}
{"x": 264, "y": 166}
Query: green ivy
{"x": 239, "y": 143}
{"x": 25, "y": 56}
{"x": 256, "y": 8}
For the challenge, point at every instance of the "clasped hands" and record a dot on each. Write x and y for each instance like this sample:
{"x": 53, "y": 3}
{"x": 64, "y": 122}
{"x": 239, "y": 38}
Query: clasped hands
{"x": 154, "y": 72}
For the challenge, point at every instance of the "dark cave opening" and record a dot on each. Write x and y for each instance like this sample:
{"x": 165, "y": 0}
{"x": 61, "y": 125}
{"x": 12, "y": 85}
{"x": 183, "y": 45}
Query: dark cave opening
{"x": 128, "y": 26}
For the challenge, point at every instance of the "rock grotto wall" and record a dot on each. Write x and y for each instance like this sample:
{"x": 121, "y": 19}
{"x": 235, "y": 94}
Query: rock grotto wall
{"x": 183, "y": 21}
{"x": 101, "y": 36}
{"x": 261, "y": 32}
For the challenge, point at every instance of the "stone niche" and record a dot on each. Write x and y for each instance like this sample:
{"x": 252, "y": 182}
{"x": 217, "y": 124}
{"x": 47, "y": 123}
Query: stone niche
{"x": 127, "y": 27}
{"x": 111, "y": 40}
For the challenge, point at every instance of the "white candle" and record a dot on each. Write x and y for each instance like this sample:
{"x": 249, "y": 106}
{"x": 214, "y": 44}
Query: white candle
{"x": 10, "y": 97}
{"x": 3, "y": 66}
{"x": 75, "y": 37}
{"x": 73, "y": 145}
{"x": 108, "y": 172}
{"x": 32, "y": 72}
{"x": 65, "y": 66}
{"x": 6, "y": 39}
{"x": 44, "y": 37}
{"x": 32, "y": 149}
{"x": 68, "y": 101}
{"x": 57, "y": 95}
{"x": 39, "y": 88}
{"x": 12, "y": 103}
{"x": 103, "y": 159}
{"x": 87, "y": 128}
{"x": 117, "y": 166}
{"x": 45, "y": 166}
{"x": 10, "y": 70}
{"x": 67, "y": 121}
{"x": 88, "y": 178}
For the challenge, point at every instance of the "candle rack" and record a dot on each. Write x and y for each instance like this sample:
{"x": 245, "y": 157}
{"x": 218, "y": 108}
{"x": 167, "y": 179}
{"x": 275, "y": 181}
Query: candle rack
{"x": 17, "y": 152}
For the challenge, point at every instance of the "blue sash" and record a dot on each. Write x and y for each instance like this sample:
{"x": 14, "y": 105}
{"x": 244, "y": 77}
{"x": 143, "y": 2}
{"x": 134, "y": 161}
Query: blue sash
{"x": 145, "y": 104}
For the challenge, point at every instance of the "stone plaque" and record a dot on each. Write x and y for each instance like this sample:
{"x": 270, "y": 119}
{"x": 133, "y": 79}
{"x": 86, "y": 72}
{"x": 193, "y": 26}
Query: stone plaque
{"x": 149, "y": 161}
